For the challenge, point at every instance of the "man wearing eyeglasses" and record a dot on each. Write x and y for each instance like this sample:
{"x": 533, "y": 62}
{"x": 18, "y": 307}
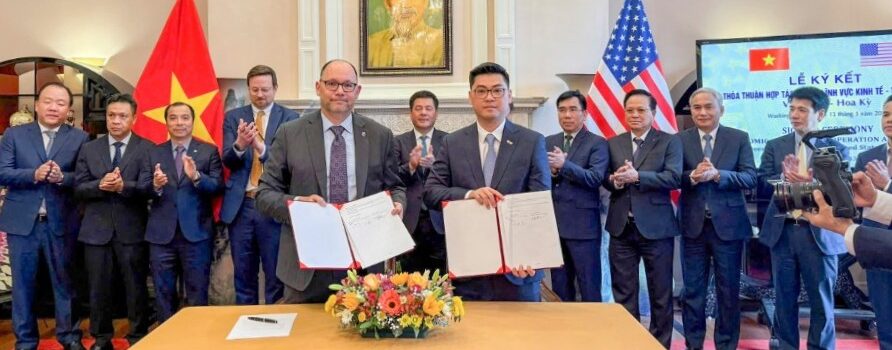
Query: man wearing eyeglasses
{"x": 247, "y": 133}
{"x": 331, "y": 155}
{"x": 484, "y": 161}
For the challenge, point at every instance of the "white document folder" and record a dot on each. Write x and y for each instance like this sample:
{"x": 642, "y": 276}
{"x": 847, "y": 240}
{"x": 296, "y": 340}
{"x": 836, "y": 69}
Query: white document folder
{"x": 520, "y": 230}
{"x": 361, "y": 233}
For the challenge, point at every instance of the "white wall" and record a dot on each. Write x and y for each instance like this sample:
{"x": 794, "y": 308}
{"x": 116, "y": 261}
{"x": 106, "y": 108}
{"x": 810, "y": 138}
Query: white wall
{"x": 568, "y": 38}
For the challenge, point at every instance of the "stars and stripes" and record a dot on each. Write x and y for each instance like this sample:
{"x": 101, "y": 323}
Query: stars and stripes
{"x": 876, "y": 54}
{"x": 630, "y": 62}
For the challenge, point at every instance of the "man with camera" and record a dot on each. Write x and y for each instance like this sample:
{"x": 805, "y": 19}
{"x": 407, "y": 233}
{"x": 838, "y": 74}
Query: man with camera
{"x": 799, "y": 251}
{"x": 873, "y": 162}
{"x": 869, "y": 244}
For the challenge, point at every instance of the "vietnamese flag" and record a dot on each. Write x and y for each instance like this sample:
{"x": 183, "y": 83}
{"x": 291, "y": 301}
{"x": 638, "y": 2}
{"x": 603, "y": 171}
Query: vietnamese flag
{"x": 770, "y": 59}
{"x": 180, "y": 69}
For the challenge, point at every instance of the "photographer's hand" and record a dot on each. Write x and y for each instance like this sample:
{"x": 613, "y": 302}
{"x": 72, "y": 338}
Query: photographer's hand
{"x": 865, "y": 195}
{"x": 824, "y": 217}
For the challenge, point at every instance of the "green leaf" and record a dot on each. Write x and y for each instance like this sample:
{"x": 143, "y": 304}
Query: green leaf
{"x": 365, "y": 325}
{"x": 335, "y": 286}
{"x": 352, "y": 275}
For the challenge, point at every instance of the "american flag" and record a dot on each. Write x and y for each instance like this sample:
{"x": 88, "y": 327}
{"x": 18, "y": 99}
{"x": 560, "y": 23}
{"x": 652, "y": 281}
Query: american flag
{"x": 630, "y": 62}
{"x": 876, "y": 54}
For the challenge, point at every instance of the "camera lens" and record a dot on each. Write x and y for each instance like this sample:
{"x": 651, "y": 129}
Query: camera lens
{"x": 789, "y": 196}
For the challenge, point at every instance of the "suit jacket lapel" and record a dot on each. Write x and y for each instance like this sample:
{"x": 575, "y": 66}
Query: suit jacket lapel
{"x": 316, "y": 146}
{"x": 37, "y": 141}
{"x": 506, "y": 150}
{"x": 168, "y": 166}
{"x": 577, "y": 142}
{"x": 693, "y": 143}
{"x": 361, "y": 150}
{"x": 271, "y": 124}
{"x": 717, "y": 147}
{"x": 59, "y": 141}
{"x": 106, "y": 154}
{"x": 472, "y": 154}
{"x": 652, "y": 138}
{"x": 192, "y": 152}
{"x": 132, "y": 148}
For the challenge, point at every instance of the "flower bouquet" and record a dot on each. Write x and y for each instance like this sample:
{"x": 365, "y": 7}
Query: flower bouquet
{"x": 398, "y": 305}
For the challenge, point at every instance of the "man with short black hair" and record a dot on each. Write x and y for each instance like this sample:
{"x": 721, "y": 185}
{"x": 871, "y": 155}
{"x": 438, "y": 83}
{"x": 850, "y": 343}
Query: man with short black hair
{"x": 645, "y": 166}
{"x": 183, "y": 175}
{"x": 800, "y": 252}
{"x": 578, "y": 161}
{"x": 415, "y": 150}
{"x": 37, "y": 166}
{"x": 114, "y": 224}
{"x": 248, "y": 132}
{"x": 484, "y": 161}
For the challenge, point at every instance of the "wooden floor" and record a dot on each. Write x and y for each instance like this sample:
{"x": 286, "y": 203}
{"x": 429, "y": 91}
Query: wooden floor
{"x": 750, "y": 329}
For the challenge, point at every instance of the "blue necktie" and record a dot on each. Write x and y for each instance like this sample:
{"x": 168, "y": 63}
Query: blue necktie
{"x": 707, "y": 150}
{"x": 116, "y": 160}
{"x": 424, "y": 145}
{"x": 337, "y": 169}
{"x": 178, "y": 160}
{"x": 489, "y": 161}
{"x": 638, "y": 142}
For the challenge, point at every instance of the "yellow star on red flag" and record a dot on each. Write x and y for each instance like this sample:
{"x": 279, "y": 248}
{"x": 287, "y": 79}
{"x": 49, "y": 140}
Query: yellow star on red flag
{"x": 198, "y": 102}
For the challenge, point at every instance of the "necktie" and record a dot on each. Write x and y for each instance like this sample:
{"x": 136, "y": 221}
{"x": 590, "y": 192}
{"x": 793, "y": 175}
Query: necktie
{"x": 568, "y": 139}
{"x": 178, "y": 160}
{"x": 51, "y": 135}
{"x": 116, "y": 160}
{"x": 707, "y": 149}
{"x": 256, "y": 165}
{"x": 337, "y": 169}
{"x": 489, "y": 161}
{"x": 638, "y": 142}
{"x": 424, "y": 145}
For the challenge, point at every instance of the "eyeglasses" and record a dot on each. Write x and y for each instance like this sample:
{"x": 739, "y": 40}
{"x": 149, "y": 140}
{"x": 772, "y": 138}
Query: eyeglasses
{"x": 332, "y": 85}
{"x": 481, "y": 92}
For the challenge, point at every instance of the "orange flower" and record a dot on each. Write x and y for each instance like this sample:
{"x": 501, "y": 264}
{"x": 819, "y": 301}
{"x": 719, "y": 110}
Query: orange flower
{"x": 399, "y": 279}
{"x": 432, "y": 306}
{"x": 390, "y": 303}
{"x": 371, "y": 282}
{"x": 351, "y": 301}
{"x": 416, "y": 279}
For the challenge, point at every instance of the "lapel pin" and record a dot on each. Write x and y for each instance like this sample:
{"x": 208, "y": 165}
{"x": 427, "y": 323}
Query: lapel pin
{"x": 509, "y": 142}
{"x": 363, "y": 133}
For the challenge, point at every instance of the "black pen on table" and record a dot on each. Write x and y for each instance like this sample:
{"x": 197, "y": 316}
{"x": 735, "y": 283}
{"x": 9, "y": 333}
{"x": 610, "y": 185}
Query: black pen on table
{"x": 262, "y": 319}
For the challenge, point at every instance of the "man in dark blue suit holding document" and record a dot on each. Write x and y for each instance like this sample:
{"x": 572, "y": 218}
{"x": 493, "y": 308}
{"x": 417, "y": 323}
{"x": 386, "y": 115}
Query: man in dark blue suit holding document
{"x": 485, "y": 161}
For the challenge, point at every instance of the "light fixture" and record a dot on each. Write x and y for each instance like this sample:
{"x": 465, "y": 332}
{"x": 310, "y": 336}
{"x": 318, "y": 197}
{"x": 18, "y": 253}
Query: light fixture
{"x": 95, "y": 62}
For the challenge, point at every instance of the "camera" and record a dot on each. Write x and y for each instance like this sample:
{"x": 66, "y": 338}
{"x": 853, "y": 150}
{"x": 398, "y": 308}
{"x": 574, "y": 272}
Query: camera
{"x": 832, "y": 178}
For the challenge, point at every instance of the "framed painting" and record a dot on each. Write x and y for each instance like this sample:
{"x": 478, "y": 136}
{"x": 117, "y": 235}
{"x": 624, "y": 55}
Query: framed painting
{"x": 405, "y": 37}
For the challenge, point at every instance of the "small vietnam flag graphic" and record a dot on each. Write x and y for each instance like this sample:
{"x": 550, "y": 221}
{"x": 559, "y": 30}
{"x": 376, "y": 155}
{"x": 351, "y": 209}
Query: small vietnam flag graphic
{"x": 769, "y": 59}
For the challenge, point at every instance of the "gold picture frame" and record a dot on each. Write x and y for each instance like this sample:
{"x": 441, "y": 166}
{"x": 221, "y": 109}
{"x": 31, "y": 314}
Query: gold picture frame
{"x": 418, "y": 42}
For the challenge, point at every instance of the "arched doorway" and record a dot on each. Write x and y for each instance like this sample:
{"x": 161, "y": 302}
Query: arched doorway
{"x": 21, "y": 78}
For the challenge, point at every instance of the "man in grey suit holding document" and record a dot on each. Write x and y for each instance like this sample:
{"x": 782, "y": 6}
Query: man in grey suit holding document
{"x": 331, "y": 155}
{"x": 484, "y": 161}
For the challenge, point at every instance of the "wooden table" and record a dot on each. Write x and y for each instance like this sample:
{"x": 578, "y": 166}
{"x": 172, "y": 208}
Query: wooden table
{"x": 487, "y": 325}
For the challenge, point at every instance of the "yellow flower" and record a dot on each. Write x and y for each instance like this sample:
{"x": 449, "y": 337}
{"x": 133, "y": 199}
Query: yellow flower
{"x": 351, "y": 302}
{"x": 361, "y": 317}
{"x": 330, "y": 303}
{"x": 371, "y": 282}
{"x": 432, "y": 306}
{"x": 416, "y": 279}
{"x": 416, "y": 321}
{"x": 458, "y": 308}
{"x": 399, "y": 279}
{"x": 405, "y": 320}
{"x": 429, "y": 322}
